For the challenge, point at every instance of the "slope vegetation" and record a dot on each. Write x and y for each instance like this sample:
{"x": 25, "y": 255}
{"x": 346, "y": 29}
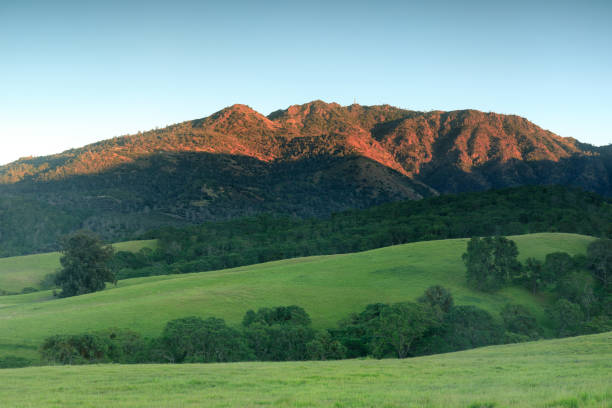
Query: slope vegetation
{"x": 307, "y": 160}
{"x": 573, "y": 372}
{"x": 328, "y": 287}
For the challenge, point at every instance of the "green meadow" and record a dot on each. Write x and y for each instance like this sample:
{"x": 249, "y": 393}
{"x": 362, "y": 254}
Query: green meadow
{"x": 564, "y": 373}
{"x": 328, "y": 287}
{"x": 19, "y": 272}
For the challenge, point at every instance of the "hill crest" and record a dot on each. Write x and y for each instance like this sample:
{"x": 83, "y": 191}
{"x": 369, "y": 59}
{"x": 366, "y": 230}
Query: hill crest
{"x": 406, "y": 141}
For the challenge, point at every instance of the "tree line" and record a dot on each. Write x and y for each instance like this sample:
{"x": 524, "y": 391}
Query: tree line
{"x": 266, "y": 237}
{"x": 433, "y": 324}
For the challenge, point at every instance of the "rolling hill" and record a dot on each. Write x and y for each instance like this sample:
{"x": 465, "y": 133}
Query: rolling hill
{"x": 328, "y": 287}
{"x": 307, "y": 160}
{"x": 21, "y": 272}
{"x": 572, "y": 372}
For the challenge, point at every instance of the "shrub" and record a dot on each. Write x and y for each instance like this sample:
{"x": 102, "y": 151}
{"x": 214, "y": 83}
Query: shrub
{"x": 567, "y": 318}
{"x": 467, "y": 327}
{"x": 14, "y": 362}
{"x": 519, "y": 320}
{"x": 324, "y": 347}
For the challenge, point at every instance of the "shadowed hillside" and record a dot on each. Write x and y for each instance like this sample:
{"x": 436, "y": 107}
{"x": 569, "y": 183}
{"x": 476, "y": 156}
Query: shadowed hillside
{"x": 307, "y": 161}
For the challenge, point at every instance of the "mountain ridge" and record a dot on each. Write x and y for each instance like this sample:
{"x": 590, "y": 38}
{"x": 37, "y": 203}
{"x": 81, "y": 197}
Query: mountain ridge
{"x": 304, "y": 161}
{"x": 403, "y": 140}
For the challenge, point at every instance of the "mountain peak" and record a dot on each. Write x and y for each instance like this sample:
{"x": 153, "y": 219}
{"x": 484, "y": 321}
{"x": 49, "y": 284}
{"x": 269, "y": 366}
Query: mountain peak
{"x": 420, "y": 145}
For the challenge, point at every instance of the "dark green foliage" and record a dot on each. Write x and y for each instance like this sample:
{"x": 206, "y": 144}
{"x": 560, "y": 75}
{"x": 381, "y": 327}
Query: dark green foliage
{"x": 577, "y": 287}
{"x": 438, "y": 298}
{"x": 75, "y": 349}
{"x": 399, "y": 325}
{"x": 28, "y": 225}
{"x": 283, "y": 315}
{"x": 126, "y": 346}
{"x": 533, "y": 275}
{"x": 84, "y": 265}
{"x": 324, "y": 347}
{"x": 193, "y": 339}
{"x": 599, "y": 259}
{"x": 567, "y": 318}
{"x": 356, "y": 331}
{"x": 218, "y": 245}
{"x": 48, "y": 282}
{"x": 112, "y": 345}
{"x": 598, "y": 324}
{"x": 278, "y": 334}
{"x": 558, "y": 265}
{"x": 491, "y": 263}
{"x": 14, "y": 362}
{"x": 386, "y": 330}
{"x": 467, "y": 327}
{"x": 279, "y": 342}
{"x": 517, "y": 319}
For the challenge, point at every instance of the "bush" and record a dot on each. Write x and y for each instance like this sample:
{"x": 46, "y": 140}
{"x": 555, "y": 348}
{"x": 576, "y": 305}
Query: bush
{"x": 598, "y": 324}
{"x": 279, "y": 342}
{"x": 438, "y": 298}
{"x": 324, "y": 347}
{"x": 467, "y": 327}
{"x": 567, "y": 318}
{"x": 75, "y": 349}
{"x": 292, "y": 315}
{"x": 14, "y": 362}
{"x": 519, "y": 320}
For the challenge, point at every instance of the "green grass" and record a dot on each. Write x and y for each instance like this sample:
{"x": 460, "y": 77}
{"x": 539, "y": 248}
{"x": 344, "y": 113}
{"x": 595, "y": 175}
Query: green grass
{"x": 328, "y": 287}
{"x": 566, "y": 373}
{"x": 19, "y": 272}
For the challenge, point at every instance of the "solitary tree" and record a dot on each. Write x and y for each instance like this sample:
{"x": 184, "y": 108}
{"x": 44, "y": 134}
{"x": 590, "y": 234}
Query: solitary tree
{"x": 84, "y": 264}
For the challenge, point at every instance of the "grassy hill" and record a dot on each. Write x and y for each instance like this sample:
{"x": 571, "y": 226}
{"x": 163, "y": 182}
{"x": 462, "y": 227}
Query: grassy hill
{"x": 328, "y": 287}
{"x": 572, "y": 372}
{"x": 19, "y": 272}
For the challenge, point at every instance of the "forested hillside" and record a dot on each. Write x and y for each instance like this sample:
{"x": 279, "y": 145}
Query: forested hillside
{"x": 217, "y": 245}
{"x": 306, "y": 161}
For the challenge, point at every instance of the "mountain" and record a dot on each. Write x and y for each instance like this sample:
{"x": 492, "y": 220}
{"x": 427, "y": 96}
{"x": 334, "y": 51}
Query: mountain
{"x": 306, "y": 160}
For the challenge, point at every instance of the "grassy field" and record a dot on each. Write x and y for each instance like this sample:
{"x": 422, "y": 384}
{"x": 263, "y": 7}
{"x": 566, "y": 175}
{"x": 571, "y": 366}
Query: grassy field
{"x": 566, "y": 373}
{"x": 19, "y": 272}
{"x": 328, "y": 287}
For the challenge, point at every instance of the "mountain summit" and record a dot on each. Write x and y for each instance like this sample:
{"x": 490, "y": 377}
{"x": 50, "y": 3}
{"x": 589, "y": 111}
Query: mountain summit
{"x": 415, "y": 144}
{"x": 306, "y": 160}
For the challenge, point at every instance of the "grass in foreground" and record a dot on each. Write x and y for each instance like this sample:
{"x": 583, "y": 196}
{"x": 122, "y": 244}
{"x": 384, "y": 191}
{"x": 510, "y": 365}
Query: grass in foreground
{"x": 575, "y": 372}
{"x": 328, "y": 287}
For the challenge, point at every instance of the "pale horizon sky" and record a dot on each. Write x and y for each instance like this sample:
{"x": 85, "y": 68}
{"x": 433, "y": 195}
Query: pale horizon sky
{"x": 75, "y": 72}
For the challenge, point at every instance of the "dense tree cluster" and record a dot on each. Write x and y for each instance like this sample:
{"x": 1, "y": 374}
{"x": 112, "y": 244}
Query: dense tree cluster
{"x": 264, "y": 238}
{"x": 580, "y": 284}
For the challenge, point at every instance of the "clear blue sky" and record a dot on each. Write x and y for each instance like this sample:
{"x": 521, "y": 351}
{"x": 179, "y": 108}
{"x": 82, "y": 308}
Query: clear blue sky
{"x": 76, "y": 72}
